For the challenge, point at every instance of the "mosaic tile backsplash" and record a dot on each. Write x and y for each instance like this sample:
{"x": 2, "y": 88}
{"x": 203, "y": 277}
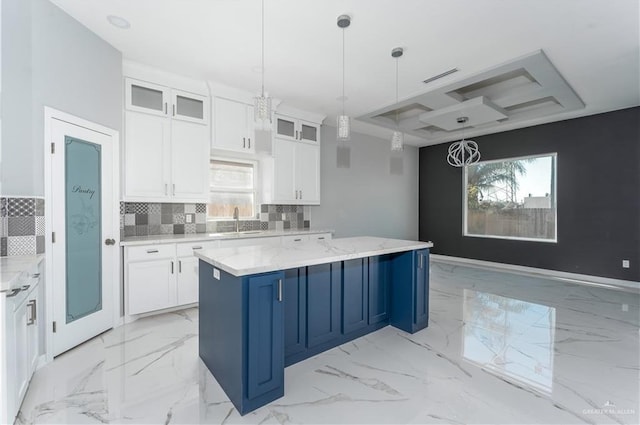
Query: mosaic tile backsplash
{"x": 143, "y": 219}
{"x": 21, "y": 226}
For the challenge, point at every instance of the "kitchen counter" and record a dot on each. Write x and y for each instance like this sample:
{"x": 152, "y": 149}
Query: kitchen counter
{"x": 263, "y": 308}
{"x": 195, "y": 237}
{"x": 12, "y": 267}
{"x": 249, "y": 260}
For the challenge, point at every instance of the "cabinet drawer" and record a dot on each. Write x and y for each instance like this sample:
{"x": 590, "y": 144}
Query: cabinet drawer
{"x": 150, "y": 252}
{"x": 320, "y": 237}
{"x": 294, "y": 239}
{"x": 187, "y": 249}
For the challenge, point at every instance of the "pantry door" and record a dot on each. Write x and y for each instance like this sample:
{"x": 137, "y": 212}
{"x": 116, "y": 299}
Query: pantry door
{"x": 84, "y": 232}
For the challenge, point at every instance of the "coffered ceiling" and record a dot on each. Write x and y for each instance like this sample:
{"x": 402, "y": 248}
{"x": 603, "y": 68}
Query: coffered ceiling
{"x": 519, "y": 62}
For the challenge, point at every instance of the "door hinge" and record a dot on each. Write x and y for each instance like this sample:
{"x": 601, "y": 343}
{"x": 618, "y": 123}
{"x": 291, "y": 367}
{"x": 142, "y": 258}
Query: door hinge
{"x": 53, "y": 148}
{"x": 54, "y": 327}
{"x": 53, "y": 237}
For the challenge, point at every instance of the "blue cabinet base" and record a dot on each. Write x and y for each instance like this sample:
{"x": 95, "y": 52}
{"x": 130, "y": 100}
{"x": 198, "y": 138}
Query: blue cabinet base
{"x": 249, "y": 333}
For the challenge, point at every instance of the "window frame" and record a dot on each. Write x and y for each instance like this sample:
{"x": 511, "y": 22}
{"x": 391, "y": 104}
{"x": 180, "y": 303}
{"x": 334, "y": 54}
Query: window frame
{"x": 465, "y": 232}
{"x": 254, "y": 191}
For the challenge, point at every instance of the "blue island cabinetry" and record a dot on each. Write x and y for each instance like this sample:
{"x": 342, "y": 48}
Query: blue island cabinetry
{"x": 253, "y": 326}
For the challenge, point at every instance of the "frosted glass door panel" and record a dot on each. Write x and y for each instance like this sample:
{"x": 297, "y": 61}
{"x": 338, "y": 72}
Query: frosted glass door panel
{"x": 188, "y": 107}
{"x": 309, "y": 132}
{"x": 83, "y": 228}
{"x": 286, "y": 128}
{"x": 148, "y": 98}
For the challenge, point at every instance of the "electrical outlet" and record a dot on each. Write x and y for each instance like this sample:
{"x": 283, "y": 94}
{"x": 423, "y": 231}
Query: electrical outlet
{"x": 187, "y": 218}
{"x": 625, "y": 307}
{"x": 625, "y": 264}
{"x": 284, "y": 217}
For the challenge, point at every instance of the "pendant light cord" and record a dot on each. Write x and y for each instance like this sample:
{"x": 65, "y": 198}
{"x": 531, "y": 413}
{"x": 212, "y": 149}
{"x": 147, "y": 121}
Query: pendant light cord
{"x": 397, "y": 122}
{"x": 343, "y": 60}
{"x": 262, "y": 48}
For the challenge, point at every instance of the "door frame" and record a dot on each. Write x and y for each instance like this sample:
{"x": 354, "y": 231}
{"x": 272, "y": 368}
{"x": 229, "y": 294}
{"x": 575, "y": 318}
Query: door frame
{"x": 49, "y": 115}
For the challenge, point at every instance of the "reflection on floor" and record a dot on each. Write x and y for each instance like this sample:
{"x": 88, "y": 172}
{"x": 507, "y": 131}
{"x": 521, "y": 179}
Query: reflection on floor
{"x": 500, "y": 348}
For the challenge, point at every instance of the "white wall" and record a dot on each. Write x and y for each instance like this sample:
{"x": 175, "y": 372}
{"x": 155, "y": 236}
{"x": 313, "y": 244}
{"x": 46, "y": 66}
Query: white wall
{"x": 53, "y": 61}
{"x": 366, "y": 199}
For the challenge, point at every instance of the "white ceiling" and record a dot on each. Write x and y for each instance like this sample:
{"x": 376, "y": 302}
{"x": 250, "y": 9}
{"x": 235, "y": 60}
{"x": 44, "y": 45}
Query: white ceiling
{"x": 594, "y": 44}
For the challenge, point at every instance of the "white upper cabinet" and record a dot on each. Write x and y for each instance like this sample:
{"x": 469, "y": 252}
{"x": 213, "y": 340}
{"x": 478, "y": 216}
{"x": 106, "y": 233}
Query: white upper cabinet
{"x": 166, "y": 144}
{"x": 296, "y": 129}
{"x": 233, "y": 128}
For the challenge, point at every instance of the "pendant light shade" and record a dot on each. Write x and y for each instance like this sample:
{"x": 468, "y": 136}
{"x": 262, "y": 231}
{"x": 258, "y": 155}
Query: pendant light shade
{"x": 463, "y": 152}
{"x": 397, "y": 139}
{"x": 262, "y": 109}
{"x": 343, "y": 121}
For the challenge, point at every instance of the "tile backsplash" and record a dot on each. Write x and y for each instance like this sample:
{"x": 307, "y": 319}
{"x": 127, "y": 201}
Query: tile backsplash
{"x": 21, "y": 226}
{"x": 143, "y": 219}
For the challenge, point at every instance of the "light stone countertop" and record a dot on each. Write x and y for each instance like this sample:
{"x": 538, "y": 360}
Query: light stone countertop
{"x": 196, "y": 237}
{"x": 12, "y": 267}
{"x": 242, "y": 261}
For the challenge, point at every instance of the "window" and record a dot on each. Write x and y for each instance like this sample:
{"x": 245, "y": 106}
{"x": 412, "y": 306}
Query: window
{"x": 231, "y": 184}
{"x": 511, "y": 198}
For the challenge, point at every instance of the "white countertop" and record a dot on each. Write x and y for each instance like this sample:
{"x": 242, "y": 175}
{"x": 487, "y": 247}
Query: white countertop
{"x": 12, "y": 267}
{"x": 196, "y": 237}
{"x": 242, "y": 261}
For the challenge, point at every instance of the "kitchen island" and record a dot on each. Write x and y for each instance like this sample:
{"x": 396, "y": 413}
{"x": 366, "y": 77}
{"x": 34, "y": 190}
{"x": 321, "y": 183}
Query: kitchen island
{"x": 265, "y": 307}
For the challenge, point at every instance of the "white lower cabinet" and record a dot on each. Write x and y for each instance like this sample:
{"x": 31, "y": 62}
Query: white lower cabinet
{"x": 22, "y": 336}
{"x": 161, "y": 276}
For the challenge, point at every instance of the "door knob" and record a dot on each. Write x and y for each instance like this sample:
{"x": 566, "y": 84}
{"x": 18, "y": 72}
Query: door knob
{"x": 109, "y": 241}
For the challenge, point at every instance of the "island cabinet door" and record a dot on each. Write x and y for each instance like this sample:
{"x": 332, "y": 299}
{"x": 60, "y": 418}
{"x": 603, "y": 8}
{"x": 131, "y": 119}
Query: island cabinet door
{"x": 295, "y": 311}
{"x": 379, "y": 275}
{"x": 421, "y": 303}
{"x": 355, "y": 295}
{"x": 323, "y": 303}
{"x": 265, "y": 342}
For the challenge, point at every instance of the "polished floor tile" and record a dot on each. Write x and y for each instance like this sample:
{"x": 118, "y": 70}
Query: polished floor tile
{"x": 500, "y": 349}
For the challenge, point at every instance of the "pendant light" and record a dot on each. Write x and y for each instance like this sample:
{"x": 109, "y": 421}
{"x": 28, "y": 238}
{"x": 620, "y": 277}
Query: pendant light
{"x": 463, "y": 152}
{"x": 397, "y": 139}
{"x": 262, "y": 109}
{"x": 344, "y": 121}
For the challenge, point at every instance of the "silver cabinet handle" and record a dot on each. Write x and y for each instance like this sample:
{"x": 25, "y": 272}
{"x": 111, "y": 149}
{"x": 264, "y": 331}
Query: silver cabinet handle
{"x": 25, "y": 287}
{"x": 31, "y": 319}
{"x": 320, "y": 238}
{"x": 14, "y": 292}
{"x": 109, "y": 241}
{"x": 174, "y": 189}
{"x": 152, "y": 251}
{"x": 166, "y": 189}
{"x": 419, "y": 261}
{"x": 174, "y": 110}
{"x": 280, "y": 290}
{"x": 35, "y": 275}
{"x": 179, "y": 266}
{"x": 301, "y": 194}
{"x": 165, "y": 108}
{"x": 244, "y": 142}
{"x": 196, "y": 247}
{"x": 249, "y": 140}
{"x": 297, "y": 240}
{"x": 296, "y": 134}
{"x": 296, "y": 194}
{"x": 172, "y": 267}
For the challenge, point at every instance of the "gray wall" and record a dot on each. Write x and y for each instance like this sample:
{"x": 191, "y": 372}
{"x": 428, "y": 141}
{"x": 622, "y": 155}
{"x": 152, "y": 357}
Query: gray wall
{"x": 57, "y": 62}
{"x": 366, "y": 199}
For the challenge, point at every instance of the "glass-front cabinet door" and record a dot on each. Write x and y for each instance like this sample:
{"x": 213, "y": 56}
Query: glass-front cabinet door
{"x": 309, "y": 132}
{"x": 189, "y": 107}
{"x": 146, "y": 97}
{"x": 286, "y": 128}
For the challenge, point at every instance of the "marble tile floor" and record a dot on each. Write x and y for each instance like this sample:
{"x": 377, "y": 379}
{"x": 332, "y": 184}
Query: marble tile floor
{"x": 500, "y": 349}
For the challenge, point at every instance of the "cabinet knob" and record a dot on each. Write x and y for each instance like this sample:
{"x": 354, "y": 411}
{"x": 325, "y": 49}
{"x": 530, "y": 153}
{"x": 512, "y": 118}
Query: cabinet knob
{"x": 109, "y": 241}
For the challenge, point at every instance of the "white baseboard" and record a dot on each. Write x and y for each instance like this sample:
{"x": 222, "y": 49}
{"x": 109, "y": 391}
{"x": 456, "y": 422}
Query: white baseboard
{"x": 583, "y": 279}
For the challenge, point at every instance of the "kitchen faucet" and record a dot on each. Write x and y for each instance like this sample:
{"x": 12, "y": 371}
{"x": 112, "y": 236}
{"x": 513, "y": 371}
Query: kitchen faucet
{"x": 236, "y": 217}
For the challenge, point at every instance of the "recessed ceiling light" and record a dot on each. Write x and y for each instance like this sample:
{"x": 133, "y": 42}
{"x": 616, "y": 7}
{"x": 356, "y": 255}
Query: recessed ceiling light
{"x": 118, "y": 21}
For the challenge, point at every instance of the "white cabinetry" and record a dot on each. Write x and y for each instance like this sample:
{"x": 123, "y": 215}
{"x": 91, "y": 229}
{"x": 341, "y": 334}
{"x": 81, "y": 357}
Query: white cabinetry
{"x": 296, "y": 172}
{"x": 166, "y": 149}
{"x": 297, "y": 129}
{"x": 22, "y": 336}
{"x": 161, "y": 276}
{"x": 233, "y": 128}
